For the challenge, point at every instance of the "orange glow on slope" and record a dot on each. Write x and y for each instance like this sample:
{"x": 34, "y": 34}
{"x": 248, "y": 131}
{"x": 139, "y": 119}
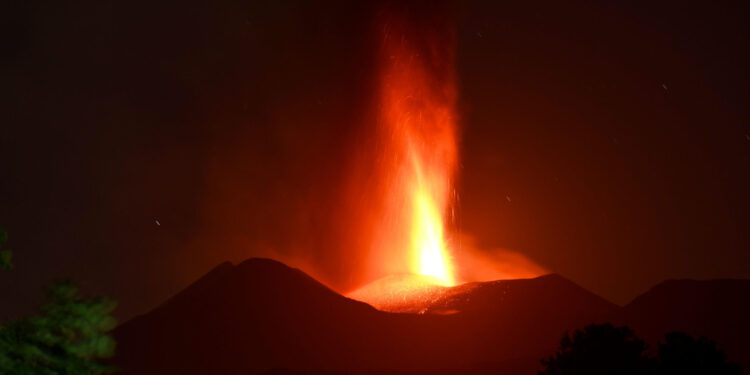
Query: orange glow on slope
{"x": 417, "y": 120}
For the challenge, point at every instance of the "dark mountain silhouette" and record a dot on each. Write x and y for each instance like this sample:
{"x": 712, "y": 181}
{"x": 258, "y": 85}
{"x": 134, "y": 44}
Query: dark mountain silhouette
{"x": 262, "y": 316}
{"x": 716, "y": 309}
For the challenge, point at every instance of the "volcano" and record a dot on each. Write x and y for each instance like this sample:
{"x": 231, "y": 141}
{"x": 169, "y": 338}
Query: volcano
{"x": 262, "y": 315}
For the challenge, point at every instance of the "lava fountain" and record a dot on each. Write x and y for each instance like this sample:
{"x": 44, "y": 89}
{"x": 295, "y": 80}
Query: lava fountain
{"x": 417, "y": 135}
{"x": 417, "y": 115}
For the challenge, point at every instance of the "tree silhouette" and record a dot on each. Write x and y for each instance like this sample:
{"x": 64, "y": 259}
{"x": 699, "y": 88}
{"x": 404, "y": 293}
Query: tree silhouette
{"x": 605, "y": 349}
{"x": 599, "y": 349}
{"x": 5, "y": 254}
{"x": 684, "y": 355}
{"x": 69, "y": 336}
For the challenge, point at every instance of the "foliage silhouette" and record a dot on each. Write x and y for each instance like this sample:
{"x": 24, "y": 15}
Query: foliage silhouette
{"x": 69, "y": 335}
{"x": 682, "y": 354}
{"x": 5, "y": 254}
{"x": 599, "y": 349}
{"x": 605, "y": 349}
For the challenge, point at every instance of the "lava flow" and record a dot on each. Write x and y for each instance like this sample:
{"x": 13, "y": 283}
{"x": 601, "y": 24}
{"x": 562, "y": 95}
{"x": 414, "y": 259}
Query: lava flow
{"x": 417, "y": 128}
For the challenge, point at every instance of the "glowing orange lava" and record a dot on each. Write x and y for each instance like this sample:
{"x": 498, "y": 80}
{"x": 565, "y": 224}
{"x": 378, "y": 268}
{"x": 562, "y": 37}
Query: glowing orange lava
{"x": 404, "y": 188}
{"x": 417, "y": 116}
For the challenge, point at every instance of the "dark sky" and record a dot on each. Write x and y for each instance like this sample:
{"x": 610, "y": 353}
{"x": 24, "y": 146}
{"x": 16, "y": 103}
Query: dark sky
{"x": 620, "y": 133}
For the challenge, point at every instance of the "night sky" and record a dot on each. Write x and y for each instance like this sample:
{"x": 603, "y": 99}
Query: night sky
{"x": 608, "y": 143}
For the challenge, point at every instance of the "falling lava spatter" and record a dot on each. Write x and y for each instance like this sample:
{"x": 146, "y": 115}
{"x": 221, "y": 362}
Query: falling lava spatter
{"x": 417, "y": 120}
